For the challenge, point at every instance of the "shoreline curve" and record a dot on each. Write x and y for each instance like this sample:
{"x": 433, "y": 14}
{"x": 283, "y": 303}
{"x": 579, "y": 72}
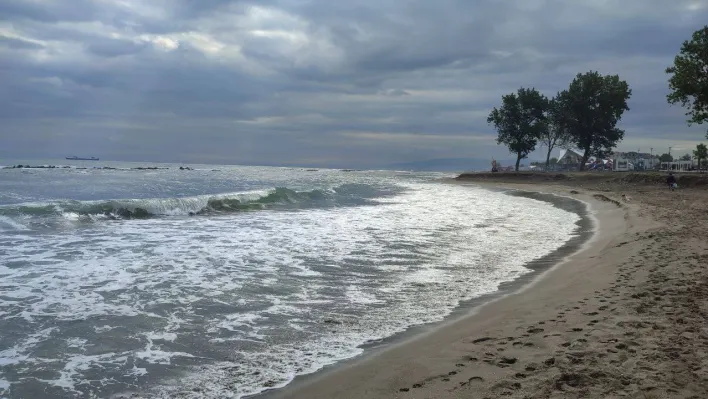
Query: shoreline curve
{"x": 365, "y": 375}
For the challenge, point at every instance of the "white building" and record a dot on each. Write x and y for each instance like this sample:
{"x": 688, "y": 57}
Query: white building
{"x": 622, "y": 165}
{"x": 677, "y": 165}
{"x": 570, "y": 157}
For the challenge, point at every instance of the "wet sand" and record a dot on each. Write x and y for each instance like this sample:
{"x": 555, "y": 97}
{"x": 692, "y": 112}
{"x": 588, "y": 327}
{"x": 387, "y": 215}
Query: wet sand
{"x": 623, "y": 317}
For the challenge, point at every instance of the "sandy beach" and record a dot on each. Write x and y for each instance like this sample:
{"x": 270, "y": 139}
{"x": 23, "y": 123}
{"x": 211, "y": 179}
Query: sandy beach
{"x": 625, "y": 316}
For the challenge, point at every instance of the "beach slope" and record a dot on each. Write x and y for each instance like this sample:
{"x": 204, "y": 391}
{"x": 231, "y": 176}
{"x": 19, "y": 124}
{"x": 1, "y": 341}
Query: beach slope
{"x": 623, "y": 317}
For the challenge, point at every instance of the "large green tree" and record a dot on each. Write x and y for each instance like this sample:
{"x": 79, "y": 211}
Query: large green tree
{"x": 701, "y": 153}
{"x": 556, "y": 134}
{"x": 666, "y": 158}
{"x": 592, "y": 106}
{"x": 689, "y": 77}
{"x": 520, "y": 121}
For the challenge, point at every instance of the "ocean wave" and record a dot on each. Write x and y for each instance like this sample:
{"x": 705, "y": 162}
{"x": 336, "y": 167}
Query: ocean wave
{"x": 276, "y": 198}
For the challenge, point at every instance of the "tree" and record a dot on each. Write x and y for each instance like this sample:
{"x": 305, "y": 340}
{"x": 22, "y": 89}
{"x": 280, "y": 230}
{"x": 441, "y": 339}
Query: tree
{"x": 689, "y": 80}
{"x": 666, "y": 158}
{"x": 591, "y": 107}
{"x": 520, "y": 121}
{"x": 701, "y": 153}
{"x": 685, "y": 157}
{"x": 556, "y": 133}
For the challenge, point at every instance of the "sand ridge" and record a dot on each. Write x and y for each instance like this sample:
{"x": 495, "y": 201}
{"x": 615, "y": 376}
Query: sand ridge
{"x": 625, "y": 317}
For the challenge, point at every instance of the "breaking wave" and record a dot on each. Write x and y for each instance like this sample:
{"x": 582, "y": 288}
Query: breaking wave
{"x": 277, "y": 198}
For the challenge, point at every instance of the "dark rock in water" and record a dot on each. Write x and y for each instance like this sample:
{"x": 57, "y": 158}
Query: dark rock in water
{"x": 192, "y": 214}
{"x": 31, "y": 167}
{"x": 332, "y": 321}
{"x": 549, "y": 362}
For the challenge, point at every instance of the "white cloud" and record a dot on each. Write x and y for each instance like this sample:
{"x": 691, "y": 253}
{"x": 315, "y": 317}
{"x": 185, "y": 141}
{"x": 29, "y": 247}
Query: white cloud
{"x": 164, "y": 43}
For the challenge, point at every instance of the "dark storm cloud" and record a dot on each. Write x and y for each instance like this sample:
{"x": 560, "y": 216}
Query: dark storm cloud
{"x": 365, "y": 82}
{"x": 48, "y": 11}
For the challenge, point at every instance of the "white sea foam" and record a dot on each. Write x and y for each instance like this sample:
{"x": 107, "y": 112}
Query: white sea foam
{"x": 278, "y": 293}
{"x": 102, "y": 329}
{"x": 11, "y": 224}
{"x": 4, "y": 386}
{"x": 357, "y": 295}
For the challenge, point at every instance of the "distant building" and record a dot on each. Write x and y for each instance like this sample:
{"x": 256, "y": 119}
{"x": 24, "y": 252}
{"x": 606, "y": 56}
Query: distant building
{"x": 677, "y": 165}
{"x": 639, "y": 160}
{"x": 570, "y": 157}
{"x": 622, "y": 165}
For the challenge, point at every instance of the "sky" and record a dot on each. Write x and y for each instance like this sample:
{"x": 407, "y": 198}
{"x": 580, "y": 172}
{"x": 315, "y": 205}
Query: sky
{"x": 359, "y": 83}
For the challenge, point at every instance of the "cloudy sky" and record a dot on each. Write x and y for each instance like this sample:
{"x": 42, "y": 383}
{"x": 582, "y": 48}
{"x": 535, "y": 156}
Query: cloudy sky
{"x": 361, "y": 83}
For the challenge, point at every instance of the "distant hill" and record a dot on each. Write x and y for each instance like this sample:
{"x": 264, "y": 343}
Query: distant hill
{"x": 443, "y": 165}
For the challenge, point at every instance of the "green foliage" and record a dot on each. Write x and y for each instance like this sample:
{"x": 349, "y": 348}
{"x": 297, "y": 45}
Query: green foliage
{"x": 701, "y": 153}
{"x": 666, "y": 158}
{"x": 591, "y": 108}
{"x": 685, "y": 157}
{"x": 520, "y": 121}
{"x": 689, "y": 80}
{"x": 552, "y": 161}
{"x": 556, "y": 134}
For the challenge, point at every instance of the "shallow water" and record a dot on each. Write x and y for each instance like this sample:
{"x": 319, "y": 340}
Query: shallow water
{"x": 225, "y": 281}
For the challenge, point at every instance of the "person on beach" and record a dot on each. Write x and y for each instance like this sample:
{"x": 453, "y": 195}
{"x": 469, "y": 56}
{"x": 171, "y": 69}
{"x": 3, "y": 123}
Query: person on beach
{"x": 671, "y": 181}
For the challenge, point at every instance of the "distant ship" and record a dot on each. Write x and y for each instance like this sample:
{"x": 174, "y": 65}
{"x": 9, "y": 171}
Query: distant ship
{"x": 75, "y": 158}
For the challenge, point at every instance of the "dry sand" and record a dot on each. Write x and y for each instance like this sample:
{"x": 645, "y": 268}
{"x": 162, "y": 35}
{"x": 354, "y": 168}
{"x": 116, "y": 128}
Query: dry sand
{"x": 623, "y": 317}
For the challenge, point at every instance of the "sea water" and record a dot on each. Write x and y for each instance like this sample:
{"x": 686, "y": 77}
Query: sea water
{"x": 224, "y": 281}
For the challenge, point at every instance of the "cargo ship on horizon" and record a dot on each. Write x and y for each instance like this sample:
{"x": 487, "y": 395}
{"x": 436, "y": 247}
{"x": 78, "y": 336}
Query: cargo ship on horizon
{"x": 75, "y": 158}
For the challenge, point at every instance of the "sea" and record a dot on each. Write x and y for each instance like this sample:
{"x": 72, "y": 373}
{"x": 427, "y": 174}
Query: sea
{"x": 217, "y": 281}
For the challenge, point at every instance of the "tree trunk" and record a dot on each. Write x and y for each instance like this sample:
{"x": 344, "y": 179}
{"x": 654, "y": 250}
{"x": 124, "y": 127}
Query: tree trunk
{"x": 548, "y": 158}
{"x": 518, "y": 160}
{"x": 586, "y": 155}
